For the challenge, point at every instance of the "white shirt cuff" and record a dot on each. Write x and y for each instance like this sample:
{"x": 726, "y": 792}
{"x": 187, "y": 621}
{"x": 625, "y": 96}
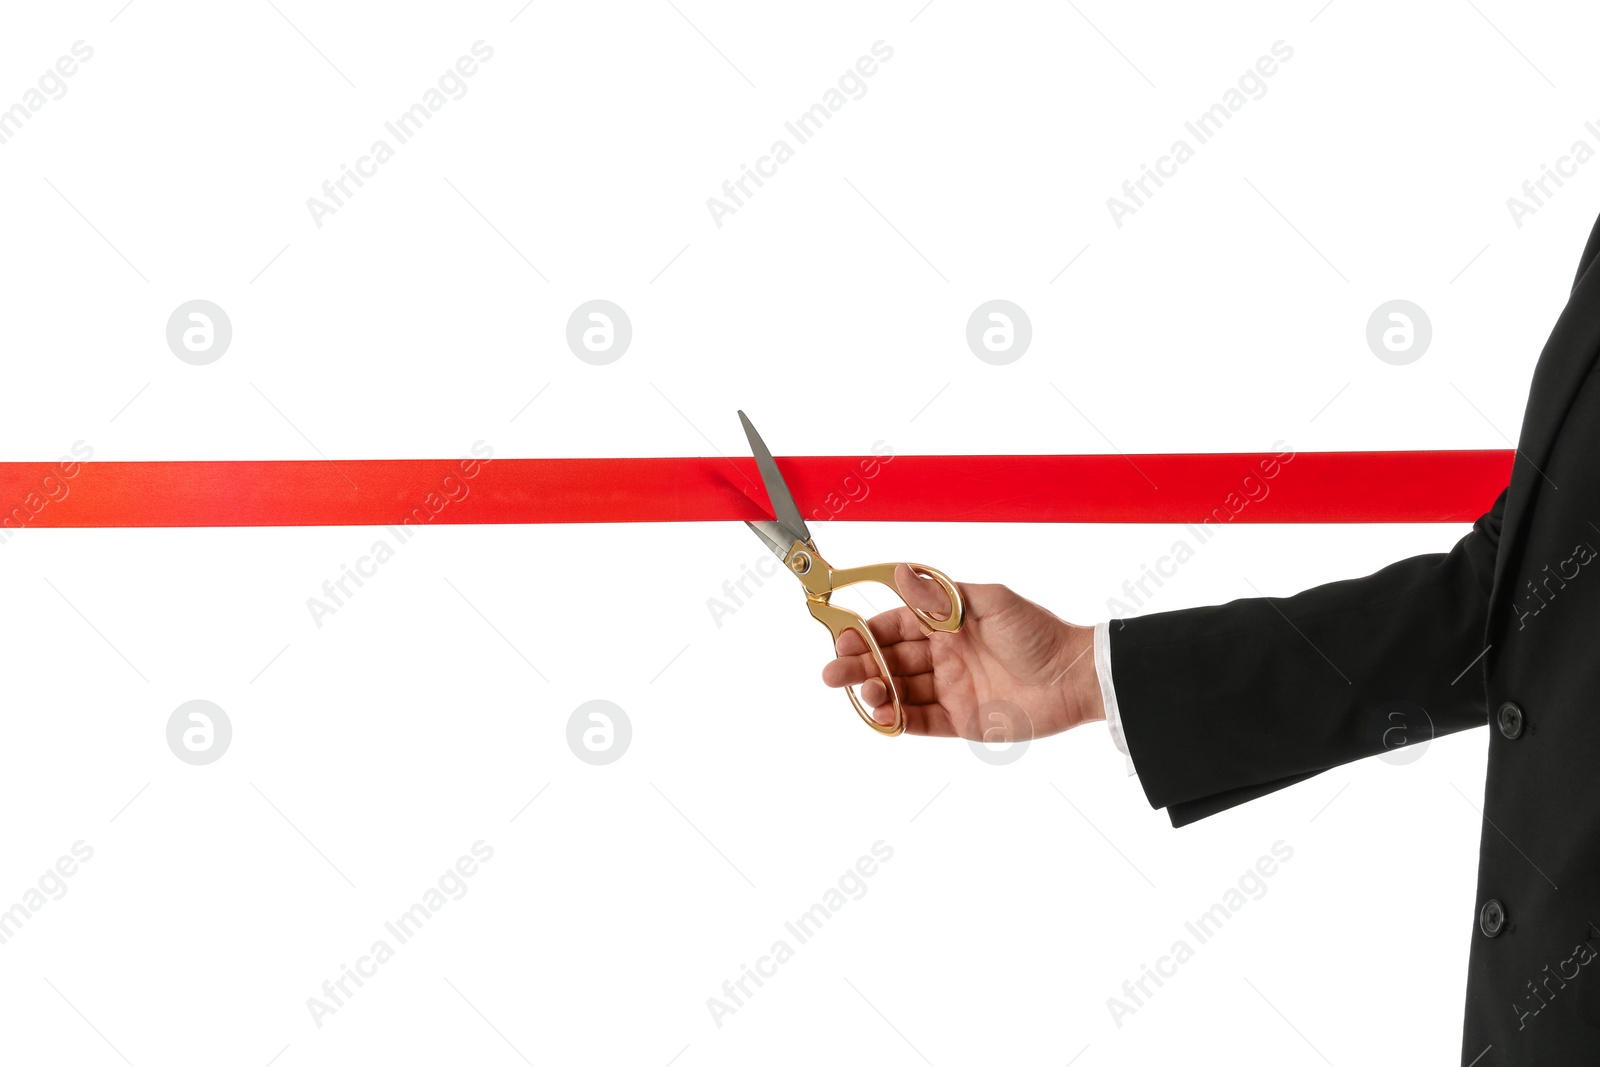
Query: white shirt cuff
{"x": 1108, "y": 692}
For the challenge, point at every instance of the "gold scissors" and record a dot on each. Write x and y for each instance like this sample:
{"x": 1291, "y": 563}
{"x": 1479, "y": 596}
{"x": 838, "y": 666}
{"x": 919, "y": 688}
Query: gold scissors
{"x": 791, "y": 542}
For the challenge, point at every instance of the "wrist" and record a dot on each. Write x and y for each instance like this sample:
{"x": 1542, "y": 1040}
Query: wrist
{"x": 1081, "y": 676}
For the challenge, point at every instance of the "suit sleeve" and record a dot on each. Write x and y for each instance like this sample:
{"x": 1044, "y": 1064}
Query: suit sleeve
{"x": 1220, "y": 705}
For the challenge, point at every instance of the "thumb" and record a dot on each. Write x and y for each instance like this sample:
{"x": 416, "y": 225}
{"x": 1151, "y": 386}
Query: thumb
{"x": 924, "y": 594}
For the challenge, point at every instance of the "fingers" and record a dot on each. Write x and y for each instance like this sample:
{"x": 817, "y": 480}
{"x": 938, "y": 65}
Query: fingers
{"x": 891, "y": 627}
{"x": 907, "y": 654}
{"x": 874, "y": 696}
{"x": 917, "y": 689}
{"x": 926, "y": 716}
{"x": 919, "y": 700}
{"x": 855, "y": 667}
{"x": 927, "y": 720}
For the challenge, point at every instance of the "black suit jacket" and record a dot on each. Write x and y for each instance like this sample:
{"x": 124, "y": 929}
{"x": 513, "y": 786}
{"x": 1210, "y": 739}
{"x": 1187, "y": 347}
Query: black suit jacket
{"x": 1224, "y": 704}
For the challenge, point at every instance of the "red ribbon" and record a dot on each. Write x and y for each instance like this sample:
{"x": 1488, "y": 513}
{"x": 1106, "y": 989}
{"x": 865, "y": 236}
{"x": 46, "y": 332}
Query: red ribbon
{"x": 1175, "y": 488}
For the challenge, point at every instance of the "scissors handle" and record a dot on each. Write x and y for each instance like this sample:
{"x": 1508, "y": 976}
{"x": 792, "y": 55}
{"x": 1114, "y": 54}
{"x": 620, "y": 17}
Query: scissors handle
{"x": 883, "y": 574}
{"x": 840, "y": 620}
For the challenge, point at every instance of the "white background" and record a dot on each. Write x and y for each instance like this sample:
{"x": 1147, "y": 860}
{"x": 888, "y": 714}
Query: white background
{"x": 368, "y": 754}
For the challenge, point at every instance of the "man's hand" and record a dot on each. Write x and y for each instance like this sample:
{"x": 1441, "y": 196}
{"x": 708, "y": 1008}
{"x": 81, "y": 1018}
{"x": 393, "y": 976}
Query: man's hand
{"x": 1010, "y": 656}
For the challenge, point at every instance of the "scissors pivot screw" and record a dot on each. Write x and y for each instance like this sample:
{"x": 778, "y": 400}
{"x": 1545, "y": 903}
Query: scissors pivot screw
{"x": 801, "y": 563}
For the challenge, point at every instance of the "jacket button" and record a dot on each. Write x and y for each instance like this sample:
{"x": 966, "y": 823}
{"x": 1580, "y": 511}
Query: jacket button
{"x": 1510, "y": 720}
{"x": 1492, "y": 919}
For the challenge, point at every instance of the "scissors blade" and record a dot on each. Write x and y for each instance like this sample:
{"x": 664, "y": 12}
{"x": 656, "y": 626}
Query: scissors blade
{"x": 777, "y": 491}
{"x": 773, "y": 536}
